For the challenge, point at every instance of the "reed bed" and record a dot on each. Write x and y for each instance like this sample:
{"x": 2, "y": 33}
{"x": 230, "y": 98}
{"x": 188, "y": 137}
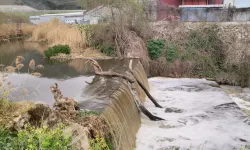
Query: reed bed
{"x": 8, "y": 30}
{"x": 56, "y": 32}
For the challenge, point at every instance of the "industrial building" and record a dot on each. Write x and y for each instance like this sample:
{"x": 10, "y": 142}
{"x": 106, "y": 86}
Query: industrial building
{"x": 69, "y": 18}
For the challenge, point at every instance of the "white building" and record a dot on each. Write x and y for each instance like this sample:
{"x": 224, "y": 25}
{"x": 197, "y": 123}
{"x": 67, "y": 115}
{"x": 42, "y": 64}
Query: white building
{"x": 70, "y": 18}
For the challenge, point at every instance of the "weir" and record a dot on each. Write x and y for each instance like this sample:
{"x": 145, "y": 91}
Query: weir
{"x": 114, "y": 100}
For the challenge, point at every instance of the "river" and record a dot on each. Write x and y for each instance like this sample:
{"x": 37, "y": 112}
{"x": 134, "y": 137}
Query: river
{"x": 198, "y": 115}
{"x": 72, "y": 76}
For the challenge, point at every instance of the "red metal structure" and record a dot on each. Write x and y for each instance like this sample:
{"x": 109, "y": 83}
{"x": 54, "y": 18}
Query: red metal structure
{"x": 195, "y": 2}
{"x": 168, "y": 13}
{"x": 177, "y": 3}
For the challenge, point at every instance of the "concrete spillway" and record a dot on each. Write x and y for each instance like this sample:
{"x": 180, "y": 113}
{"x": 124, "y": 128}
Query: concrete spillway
{"x": 113, "y": 98}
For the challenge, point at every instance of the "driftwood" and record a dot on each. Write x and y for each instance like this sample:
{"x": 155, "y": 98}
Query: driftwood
{"x": 65, "y": 106}
{"x": 140, "y": 105}
{"x": 146, "y": 91}
{"x": 98, "y": 71}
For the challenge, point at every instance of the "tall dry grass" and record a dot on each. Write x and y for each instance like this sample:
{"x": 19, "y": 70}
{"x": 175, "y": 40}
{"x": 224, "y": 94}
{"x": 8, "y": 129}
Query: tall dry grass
{"x": 8, "y": 30}
{"x": 56, "y": 32}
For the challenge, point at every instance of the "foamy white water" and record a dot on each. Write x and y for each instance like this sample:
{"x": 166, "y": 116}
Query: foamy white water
{"x": 204, "y": 117}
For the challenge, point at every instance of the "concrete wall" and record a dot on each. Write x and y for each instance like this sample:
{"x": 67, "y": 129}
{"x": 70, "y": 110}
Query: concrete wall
{"x": 203, "y": 14}
{"x": 238, "y": 3}
{"x": 214, "y": 14}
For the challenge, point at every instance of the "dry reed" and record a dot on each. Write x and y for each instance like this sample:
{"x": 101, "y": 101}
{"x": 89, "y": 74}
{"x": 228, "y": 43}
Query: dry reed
{"x": 55, "y": 32}
{"x": 10, "y": 29}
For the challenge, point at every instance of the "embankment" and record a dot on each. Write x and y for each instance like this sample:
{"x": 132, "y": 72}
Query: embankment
{"x": 113, "y": 98}
{"x": 204, "y": 49}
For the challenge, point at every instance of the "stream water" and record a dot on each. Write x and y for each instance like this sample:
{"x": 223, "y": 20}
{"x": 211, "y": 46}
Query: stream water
{"x": 71, "y": 75}
{"x": 198, "y": 115}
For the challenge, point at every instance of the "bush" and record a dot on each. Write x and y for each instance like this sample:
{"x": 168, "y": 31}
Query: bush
{"x": 171, "y": 53}
{"x": 155, "y": 48}
{"x": 108, "y": 50}
{"x": 55, "y": 50}
{"x": 32, "y": 138}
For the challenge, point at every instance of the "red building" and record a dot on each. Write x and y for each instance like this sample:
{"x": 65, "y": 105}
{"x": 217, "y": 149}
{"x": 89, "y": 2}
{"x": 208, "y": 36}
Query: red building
{"x": 192, "y": 2}
{"x": 164, "y": 13}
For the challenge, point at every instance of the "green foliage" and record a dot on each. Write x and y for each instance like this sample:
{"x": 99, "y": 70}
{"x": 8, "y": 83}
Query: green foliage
{"x": 99, "y": 143}
{"x": 84, "y": 114}
{"x": 87, "y": 28}
{"x": 205, "y": 49}
{"x": 55, "y": 50}
{"x": 32, "y": 138}
{"x": 155, "y": 48}
{"x": 206, "y": 41}
{"x": 172, "y": 52}
{"x": 109, "y": 142}
{"x": 108, "y": 50}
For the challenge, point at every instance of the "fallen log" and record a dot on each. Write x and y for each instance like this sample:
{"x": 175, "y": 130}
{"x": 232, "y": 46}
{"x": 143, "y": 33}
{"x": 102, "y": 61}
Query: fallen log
{"x": 146, "y": 91}
{"x": 140, "y": 105}
{"x": 98, "y": 71}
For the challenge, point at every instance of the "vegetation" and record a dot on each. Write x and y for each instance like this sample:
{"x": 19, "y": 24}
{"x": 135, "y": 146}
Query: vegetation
{"x": 155, "y": 48}
{"x": 57, "y": 49}
{"x": 100, "y": 143}
{"x": 83, "y": 114}
{"x": 171, "y": 52}
{"x": 200, "y": 55}
{"x": 108, "y": 50}
{"x": 32, "y": 138}
{"x": 56, "y": 32}
{"x": 13, "y": 18}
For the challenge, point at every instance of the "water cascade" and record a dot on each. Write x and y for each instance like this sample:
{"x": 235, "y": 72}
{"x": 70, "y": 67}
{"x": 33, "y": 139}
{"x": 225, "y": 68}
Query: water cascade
{"x": 113, "y": 98}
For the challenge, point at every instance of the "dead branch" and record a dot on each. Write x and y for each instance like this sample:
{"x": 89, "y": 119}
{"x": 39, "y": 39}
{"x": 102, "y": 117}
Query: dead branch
{"x": 98, "y": 71}
{"x": 146, "y": 91}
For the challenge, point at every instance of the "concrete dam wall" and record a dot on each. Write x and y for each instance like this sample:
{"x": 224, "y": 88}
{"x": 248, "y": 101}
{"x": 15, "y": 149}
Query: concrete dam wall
{"x": 113, "y": 99}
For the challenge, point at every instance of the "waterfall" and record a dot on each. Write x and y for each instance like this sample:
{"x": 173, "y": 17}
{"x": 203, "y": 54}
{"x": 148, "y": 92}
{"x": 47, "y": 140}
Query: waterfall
{"x": 112, "y": 97}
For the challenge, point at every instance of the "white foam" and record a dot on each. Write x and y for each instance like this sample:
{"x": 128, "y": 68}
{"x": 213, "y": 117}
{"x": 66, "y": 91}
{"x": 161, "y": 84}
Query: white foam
{"x": 204, "y": 124}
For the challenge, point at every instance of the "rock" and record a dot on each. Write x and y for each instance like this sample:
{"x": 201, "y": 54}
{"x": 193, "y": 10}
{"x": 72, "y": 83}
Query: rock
{"x": 173, "y": 110}
{"x": 36, "y": 115}
{"x": 80, "y": 136}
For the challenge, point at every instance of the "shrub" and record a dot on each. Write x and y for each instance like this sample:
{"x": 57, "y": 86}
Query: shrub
{"x": 100, "y": 143}
{"x": 155, "y": 48}
{"x": 32, "y": 138}
{"x": 55, "y": 50}
{"x": 108, "y": 50}
{"x": 171, "y": 53}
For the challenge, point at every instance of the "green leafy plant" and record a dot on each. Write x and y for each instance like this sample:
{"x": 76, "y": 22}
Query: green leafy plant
{"x": 155, "y": 48}
{"x": 171, "y": 52}
{"x": 99, "y": 143}
{"x": 108, "y": 50}
{"x": 84, "y": 114}
{"x": 32, "y": 138}
{"x": 55, "y": 50}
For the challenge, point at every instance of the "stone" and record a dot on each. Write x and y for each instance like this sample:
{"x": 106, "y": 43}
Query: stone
{"x": 80, "y": 136}
{"x": 37, "y": 115}
{"x": 173, "y": 110}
